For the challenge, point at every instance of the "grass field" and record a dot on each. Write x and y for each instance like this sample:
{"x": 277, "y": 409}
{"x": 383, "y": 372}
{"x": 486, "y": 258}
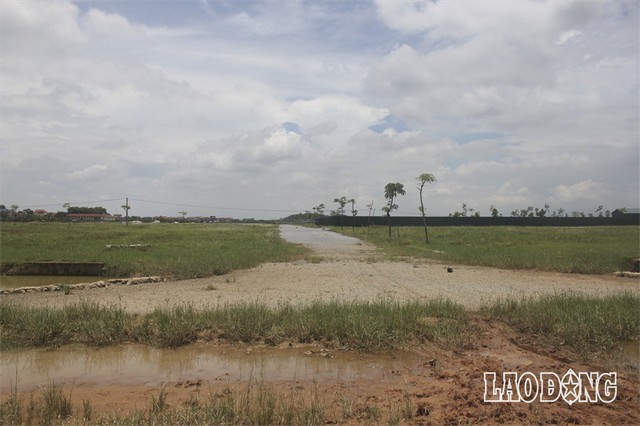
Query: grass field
{"x": 588, "y": 250}
{"x": 585, "y": 323}
{"x": 360, "y": 326}
{"x": 175, "y": 250}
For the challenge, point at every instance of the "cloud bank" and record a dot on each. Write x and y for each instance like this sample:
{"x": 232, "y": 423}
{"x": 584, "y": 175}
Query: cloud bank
{"x": 279, "y": 106}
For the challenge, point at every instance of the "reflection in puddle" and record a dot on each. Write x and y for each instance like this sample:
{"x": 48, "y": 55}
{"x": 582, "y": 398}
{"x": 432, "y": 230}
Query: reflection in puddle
{"x": 139, "y": 364}
{"x": 630, "y": 350}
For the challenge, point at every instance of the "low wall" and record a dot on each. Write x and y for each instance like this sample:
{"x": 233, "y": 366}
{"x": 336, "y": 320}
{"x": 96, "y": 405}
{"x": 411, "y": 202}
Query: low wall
{"x": 83, "y": 286}
{"x": 348, "y": 221}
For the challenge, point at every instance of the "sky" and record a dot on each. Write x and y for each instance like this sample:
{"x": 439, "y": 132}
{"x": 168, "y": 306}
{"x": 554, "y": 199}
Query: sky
{"x": 261, "y": 109}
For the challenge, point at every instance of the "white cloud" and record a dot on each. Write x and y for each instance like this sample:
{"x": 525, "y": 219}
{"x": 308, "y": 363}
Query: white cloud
{"x": 514, "y": 104}
{"x": 93, "y": 172}
{"x": 450, "y": 18}
{"x": 31, "y": 30}
{"x": 110, "y": 25}
{"x": 336, "y": 108}
{"x": 568, "y": 37}
{"x": 584, "y": 190}
{"x": 279, "y": 145}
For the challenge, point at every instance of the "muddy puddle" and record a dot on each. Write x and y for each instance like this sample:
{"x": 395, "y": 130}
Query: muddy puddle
{"x": 138, "y": 364}
{"x": 629, "y": 350}
{"x": 16, "y": 281}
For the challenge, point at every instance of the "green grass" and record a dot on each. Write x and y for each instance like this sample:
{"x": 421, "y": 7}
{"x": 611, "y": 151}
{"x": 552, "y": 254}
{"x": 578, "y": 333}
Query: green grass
{"x": 583, "y": 323}
{"x": 589, "y": 250}
{"x": 358, "y": 325}
{"x": 175, "y": 250}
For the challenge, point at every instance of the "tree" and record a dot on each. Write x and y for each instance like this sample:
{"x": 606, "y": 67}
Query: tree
{"x": 371, "y": 212}
{"x": 342, "y": 201}
{"x": 319, "y": 209}
{"x": 598, "y": 211}
{"x": 354, "y": 212}
{"x": 86, "y": 210}
{"x": 183, "y": 213}
{"x": 465, "y": 210}
{"x": 528, "y": 212}
{"x": 542, "y": 211}
{"x": 422, "y": 180}
{"x": 391, "y": 192}
{"x": 14, "y": 211}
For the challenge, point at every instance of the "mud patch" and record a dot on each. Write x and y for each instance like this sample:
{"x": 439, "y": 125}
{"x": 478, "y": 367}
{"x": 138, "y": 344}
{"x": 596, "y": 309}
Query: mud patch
{"x": 431, "y": 385}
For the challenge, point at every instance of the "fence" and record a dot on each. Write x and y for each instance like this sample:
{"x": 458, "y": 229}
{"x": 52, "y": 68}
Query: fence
{"x": 478, "y": 221}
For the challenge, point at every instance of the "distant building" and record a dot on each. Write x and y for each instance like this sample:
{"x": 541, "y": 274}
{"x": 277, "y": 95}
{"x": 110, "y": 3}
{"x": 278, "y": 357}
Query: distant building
{"x": 90, "y": 217}
{"x": 626, "y": 213}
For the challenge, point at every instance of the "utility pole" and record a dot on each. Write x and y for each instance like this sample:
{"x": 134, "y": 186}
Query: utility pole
{"x": 126, "y": 211}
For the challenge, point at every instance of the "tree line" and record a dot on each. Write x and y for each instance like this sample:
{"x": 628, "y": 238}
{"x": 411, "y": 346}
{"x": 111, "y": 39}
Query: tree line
{"x": 393, "y": 190}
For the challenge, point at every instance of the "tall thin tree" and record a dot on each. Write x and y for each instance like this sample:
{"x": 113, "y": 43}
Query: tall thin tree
{"x": 391, "y": 192}
{"x": 354, "y": 212}
{"x": 422, "y": 180}
{"x": 342, "y": 201}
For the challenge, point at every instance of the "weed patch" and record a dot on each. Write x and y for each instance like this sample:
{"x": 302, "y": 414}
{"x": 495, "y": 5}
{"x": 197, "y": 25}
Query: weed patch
{"x": 358, "y": 325}
{"x": 585, "y": 324}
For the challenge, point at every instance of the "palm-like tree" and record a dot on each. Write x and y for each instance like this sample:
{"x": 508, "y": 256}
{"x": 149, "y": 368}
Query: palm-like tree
{"x": 422, "y": 180}
{"x": 391, "y": 192}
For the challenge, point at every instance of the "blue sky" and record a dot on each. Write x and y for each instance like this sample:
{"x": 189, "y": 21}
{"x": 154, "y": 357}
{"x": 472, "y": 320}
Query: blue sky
{"x": 259, "y": 109}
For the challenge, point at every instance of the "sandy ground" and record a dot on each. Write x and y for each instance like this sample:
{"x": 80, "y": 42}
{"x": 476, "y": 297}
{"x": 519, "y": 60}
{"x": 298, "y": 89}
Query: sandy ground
{"x": 341, "y": 268}
{"x": 443, "y": 387}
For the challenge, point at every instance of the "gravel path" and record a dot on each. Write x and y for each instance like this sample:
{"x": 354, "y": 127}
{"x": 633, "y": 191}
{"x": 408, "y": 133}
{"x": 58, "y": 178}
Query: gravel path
{"x": 342, "y": 268}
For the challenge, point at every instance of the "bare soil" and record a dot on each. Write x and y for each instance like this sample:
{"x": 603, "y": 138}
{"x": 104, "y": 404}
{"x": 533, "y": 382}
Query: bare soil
{"x": 444, "y": 387}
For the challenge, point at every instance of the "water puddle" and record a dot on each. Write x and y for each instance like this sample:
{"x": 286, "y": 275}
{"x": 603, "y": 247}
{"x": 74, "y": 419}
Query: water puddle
{"x": 629, "y": 350}
{"x": 16, "y": 281}
{"x": 315, "y": 236}
{"x": 139, "y": 364}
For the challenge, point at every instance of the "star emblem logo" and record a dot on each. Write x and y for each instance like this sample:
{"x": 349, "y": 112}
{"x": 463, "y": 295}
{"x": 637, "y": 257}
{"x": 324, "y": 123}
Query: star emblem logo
{"x": 570, "y": 387}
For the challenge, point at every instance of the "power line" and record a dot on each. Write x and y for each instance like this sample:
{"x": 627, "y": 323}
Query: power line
{"x": 74, "y": 202}
{"x": 213, "y": 207}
